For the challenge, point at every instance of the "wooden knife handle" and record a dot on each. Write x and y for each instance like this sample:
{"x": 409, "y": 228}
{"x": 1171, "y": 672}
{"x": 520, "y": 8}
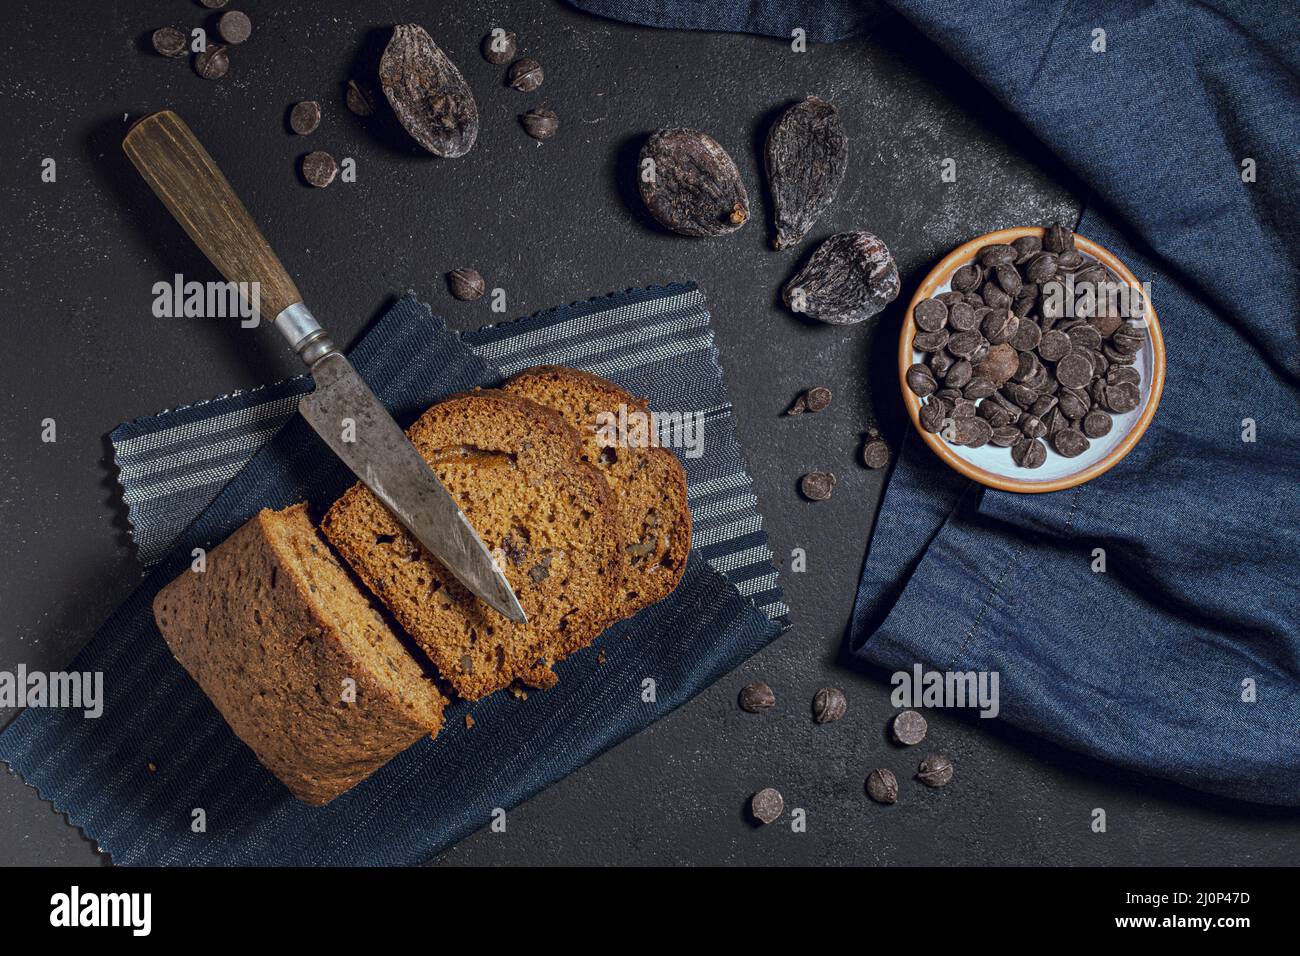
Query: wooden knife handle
{"x": 178, "y": 168}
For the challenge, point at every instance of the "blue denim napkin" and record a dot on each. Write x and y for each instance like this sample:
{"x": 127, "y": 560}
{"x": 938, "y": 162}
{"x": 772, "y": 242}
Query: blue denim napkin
{"x": 133, "y": 778}
{"x": 1182, "y": 659}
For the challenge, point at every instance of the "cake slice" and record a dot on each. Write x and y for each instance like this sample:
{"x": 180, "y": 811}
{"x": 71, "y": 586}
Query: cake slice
{"x": 296, "y": 659}
{"x": 648, "y": 482}
{"x": 516, "y": 471}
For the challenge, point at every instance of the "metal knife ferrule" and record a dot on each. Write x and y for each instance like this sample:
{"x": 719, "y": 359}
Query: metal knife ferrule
{"x": 304, "y": 334}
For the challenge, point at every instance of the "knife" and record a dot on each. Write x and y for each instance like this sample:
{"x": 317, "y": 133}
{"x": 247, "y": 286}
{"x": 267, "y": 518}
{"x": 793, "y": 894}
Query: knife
{"x": 342, "y": 409}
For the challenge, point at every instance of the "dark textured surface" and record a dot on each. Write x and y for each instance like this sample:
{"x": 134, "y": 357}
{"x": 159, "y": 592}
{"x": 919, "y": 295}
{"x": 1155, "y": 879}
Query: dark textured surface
{"x": 548, "y": 223}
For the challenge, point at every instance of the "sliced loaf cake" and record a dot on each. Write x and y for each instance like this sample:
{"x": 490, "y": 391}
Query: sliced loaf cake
{"x": 648, "y": 482}
{"x": 516, "y": 471}
{"x": 299, "y": 663}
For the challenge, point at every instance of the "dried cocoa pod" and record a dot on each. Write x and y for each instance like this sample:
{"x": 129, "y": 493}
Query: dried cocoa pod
{"x": 850, "y": 278}
{"x": 430, "y": 97}
{"x": 806, "y": 155}
{"x": 690, "y": 184}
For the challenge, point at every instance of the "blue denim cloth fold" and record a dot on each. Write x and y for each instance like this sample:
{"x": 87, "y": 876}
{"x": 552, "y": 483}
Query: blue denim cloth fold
{"x": 823, "y": 21}
{"x": 1149, "y": 664}
{"x": 132, "y": 778}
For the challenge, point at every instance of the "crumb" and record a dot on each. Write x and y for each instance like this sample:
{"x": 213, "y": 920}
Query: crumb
{"x": 600, "y": 657}
{"x": 518, "y": 693}
{"x": 469, "y": 721}
{"x": 153, "y": 768}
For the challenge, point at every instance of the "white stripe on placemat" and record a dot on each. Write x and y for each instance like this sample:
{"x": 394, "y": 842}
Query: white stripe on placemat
{"x": 207, "y": 426}
{"x": 193, "y": 455}
{"x": 621, "y": 362}
{"x": 583, "y": 324}
{"x": 208, "y": 476}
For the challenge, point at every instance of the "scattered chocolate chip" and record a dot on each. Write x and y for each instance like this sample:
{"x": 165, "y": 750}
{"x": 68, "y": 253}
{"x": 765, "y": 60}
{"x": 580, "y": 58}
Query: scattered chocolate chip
{"x": 168, "y": 41}
{"x": 817, "y": 485}
{"x": 499, "y": 46}
{"x": 766, "y": 805}
{"x": 817, "y": 398}
{"x": 525, "y": 75}
{"x": 935, "y": 771}
{"x": 756, "y": 698}
{"x": 212, "y": 63}
{"x": 234, "y": 27}
{"x": 829, "y": 704}
{"x": 305, "y": 117}
{"x": 909, "y": 726}
{"x": 882, "y": 786}
{"x": 540, "y": 123}
{"x": 319, "y": 168}
{"x": 875, "y": 454}
{"x": 466, "y": 284}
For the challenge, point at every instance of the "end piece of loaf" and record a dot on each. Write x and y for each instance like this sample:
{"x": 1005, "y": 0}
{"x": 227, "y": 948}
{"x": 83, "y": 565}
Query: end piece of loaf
{"x": 648, "y": 482}
{"x": 515, "y": 470}
{"x": 276, "y": 634}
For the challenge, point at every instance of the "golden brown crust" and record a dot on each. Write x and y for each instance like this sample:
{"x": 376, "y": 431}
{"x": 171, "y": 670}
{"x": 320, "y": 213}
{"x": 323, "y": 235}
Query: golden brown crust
{"x": 294, "y": 657}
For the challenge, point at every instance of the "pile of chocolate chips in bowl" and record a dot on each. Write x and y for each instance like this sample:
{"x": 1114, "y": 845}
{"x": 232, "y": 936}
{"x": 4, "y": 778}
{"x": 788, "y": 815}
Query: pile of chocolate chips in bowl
{"x": 1031, "y": 348}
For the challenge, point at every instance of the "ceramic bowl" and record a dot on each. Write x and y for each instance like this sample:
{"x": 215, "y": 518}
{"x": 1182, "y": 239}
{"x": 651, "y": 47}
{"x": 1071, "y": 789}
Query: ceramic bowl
{"x": 991, "y": 465}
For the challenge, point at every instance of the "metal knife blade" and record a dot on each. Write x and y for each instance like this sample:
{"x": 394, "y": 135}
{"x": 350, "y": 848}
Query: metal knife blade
{"x": 385, "y": 460}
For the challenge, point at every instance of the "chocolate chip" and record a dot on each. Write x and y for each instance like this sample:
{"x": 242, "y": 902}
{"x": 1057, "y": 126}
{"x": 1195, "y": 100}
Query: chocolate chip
{"x": 817, "y": 398}
{"x": 525, "y": 75}
{"x": 1070, "y": 443}
{"x": 1096, "y": 424}
{"x": 933, "y": 414}
{"x": 766, "y": 805}
{"x": 1058, "y": 238}
{"x": 234, "y": 27}
{"x": 1074, "y": 370}
{"x": 930, "y": 315}
{"x": 935, "y": 771}
{"x": 499, "y": 46}
{"x": 212, "y": 63}
{"x": 756, "y": 698}
{"x": 540, "y": 123}
{"x": 319, "y": 168}
{"x": 997, "y": 254}
{"x": 1029, "y": 453}
{"x": 882, "y": 786}
{"x": 305, "y": 117}
{"x": 168, "y": 41}
{"x": 875, "y": 454}
{"x": 817, "y": 485}
{"x": 909, "y": 727}
{"x": 466, "y": 284}
{"x": 829, "y": 704}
